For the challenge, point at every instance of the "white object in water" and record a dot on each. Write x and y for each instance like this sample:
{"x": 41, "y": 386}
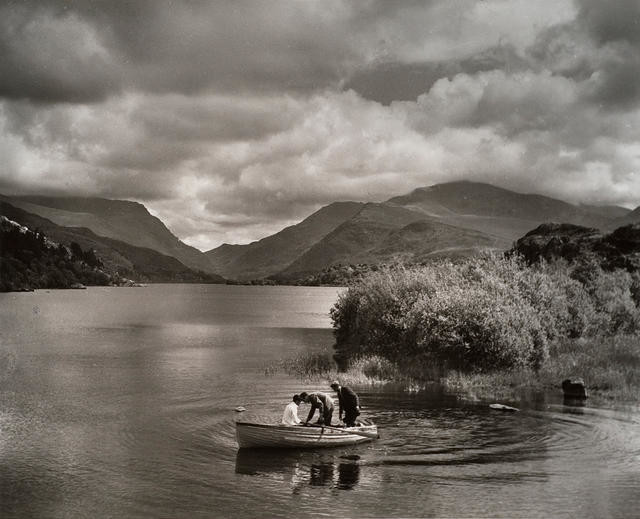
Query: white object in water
{"x": 502, "y": 407}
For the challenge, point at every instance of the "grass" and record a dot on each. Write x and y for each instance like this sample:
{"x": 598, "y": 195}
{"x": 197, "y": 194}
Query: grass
{"x": 319, "y": 366}
{"x": 610, "y": 368}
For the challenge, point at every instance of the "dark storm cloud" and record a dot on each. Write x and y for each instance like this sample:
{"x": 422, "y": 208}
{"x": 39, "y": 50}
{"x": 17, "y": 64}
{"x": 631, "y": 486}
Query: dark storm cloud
{"x": 600, "y": 49}
{"x": 49, "y": 56}
{"x": 611, "y": 21}
{"x": 84, "y": 51}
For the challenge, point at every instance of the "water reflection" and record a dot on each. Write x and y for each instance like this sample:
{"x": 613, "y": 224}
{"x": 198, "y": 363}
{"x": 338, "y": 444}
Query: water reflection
{"x": 573, "y": 405}
{"x": 300, "y": 468}
{"x": 348, "y": 475}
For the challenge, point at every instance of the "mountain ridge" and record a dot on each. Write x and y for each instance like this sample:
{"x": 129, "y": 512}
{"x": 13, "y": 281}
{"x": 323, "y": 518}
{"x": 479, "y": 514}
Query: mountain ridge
{"x": 141, "y": 263}
{"x": 447, "y": 219}
{"x": 122, "y": 220}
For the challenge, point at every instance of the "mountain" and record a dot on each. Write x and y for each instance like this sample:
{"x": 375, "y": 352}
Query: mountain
{"x": 451, "y": 219}
{"x": 276, "y": 252}
{"x": 139, "y": 263}
{"x": 384, "y": 233}
{"x": 499, "y": 211}
{"x": 125, "y": 221}
{"x": 630, "y": 218}
{"x": 610, "y": 212}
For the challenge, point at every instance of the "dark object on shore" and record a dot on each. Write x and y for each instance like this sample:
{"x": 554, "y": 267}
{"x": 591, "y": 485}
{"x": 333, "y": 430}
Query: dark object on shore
{"x": 505, "y": 408}
{"x": 574, "y": 389}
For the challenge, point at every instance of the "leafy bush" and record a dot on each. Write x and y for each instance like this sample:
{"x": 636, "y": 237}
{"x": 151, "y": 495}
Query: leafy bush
{"x": 481, "y": 314}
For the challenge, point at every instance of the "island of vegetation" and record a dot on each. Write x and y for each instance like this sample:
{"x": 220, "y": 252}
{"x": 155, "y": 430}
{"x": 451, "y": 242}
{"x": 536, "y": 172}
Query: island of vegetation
{"x": 564, "y": 302}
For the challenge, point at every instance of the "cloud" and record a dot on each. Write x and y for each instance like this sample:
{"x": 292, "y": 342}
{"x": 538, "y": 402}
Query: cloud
{"x": 611, "y": 22}
{"x": 85, "y": 52}
{"x": 51, "y": 57}
{"x": 231, "y": 120}
{"x": 601, "y": 48}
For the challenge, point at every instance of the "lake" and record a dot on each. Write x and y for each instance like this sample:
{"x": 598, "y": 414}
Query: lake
{"x": 119, "y": 402}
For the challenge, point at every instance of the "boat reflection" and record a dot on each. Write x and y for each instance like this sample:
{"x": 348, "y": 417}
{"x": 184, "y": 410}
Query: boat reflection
{"x": 302, "y": 468}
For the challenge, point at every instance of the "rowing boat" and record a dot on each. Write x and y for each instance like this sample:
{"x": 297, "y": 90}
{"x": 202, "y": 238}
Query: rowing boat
{"x": 296, "y": 436}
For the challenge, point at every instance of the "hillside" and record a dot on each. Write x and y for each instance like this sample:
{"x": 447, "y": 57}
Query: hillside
{"x": 499, "y": 211}
{"x": 30, "y": 260}
{"x": 121, "y": 220}
{"x": 382, "y": 233}
{"x": 123, "y": 259}
{"x": 461, "y": 218}
{"x": 274, "y": 253}
{"x": 631, "y": 217}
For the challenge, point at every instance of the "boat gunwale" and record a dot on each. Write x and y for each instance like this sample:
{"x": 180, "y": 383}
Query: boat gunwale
{"x": 308, "y": 428}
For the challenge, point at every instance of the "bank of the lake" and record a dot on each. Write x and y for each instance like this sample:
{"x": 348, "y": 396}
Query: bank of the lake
{"x": 610, "y": 369}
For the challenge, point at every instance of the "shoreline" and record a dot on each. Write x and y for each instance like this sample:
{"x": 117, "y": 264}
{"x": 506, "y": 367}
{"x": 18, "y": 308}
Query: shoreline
{"x": 610, "y": 368}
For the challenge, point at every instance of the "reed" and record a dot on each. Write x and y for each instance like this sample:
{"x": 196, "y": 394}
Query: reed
{"x": 610, "y": 368}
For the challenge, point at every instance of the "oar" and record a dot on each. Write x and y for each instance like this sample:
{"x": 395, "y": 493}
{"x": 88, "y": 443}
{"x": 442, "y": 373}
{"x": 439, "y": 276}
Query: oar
{"x": 359, "y": 433}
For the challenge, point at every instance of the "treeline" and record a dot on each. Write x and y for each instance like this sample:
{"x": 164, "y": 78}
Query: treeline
{"x": 28, "y": 260}
{"x": 482, "y": 314}
{"x": 337, "y": 275}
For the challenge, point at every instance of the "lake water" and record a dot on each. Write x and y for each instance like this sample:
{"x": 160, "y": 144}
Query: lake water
{"x": 119, "y": 402}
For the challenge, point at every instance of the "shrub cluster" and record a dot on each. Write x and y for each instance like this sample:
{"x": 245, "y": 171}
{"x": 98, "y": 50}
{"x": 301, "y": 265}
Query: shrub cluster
{"x": 481, "y": 313}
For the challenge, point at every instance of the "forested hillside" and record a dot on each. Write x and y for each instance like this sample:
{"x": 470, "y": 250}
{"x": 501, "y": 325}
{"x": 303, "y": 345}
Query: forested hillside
{"x": 29, "y": 260}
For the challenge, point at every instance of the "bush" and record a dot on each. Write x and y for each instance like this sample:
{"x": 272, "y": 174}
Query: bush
{"x": 481, "y": 314}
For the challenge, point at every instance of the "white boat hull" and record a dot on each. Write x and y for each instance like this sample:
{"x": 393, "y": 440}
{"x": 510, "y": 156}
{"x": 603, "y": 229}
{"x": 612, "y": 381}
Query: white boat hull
{"x": 295, "y": 436}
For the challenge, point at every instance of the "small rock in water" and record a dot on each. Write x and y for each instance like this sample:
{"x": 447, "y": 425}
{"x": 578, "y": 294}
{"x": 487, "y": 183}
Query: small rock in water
{"x": 502, "y": 407}
{"x": 240, "y": 409}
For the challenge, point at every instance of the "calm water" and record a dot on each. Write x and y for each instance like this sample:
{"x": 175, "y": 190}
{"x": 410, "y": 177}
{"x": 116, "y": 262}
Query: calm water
{"x": 118, "y": 402}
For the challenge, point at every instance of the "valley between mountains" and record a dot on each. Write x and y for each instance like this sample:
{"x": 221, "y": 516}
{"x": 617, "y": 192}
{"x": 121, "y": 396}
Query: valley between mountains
{"x": 455, "y": 219}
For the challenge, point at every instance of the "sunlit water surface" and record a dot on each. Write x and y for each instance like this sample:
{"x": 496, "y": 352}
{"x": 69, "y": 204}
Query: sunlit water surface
{"x": 119, "y": 402}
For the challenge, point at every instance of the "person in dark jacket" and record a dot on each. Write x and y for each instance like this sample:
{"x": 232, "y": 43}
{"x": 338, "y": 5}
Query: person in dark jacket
{"x": 348, "y": 402}
{"x": 323, "y": 403}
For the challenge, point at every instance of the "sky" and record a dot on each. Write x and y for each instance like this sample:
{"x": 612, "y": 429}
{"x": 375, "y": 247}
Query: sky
{"x": 230, "y": 120}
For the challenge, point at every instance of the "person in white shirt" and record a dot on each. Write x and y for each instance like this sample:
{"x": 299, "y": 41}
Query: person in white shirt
{"x": 290, "y": 416}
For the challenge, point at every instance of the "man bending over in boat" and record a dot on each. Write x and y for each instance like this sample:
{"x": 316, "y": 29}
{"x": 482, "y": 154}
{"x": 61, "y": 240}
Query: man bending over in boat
{"x": 348, "y": 403}
{"x": 323, "y": 403}
{"x": 290, "y": 416}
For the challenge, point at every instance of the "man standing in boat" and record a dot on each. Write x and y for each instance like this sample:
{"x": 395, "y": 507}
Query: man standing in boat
{"x": 290, "y": 416}
{"x": 348, "y": 403}
{"x": 323, "y": 403}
